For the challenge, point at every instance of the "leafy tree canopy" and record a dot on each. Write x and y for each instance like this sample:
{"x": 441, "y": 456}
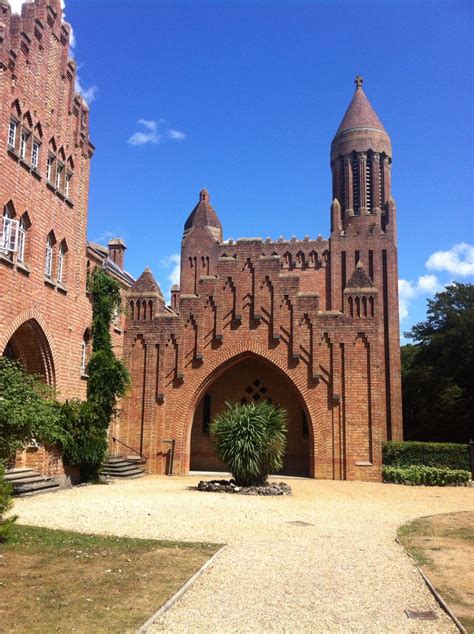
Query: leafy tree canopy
{"x": 438, "y": 369}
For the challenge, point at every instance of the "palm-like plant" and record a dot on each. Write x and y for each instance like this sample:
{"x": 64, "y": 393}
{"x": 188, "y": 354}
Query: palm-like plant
{"x": 250, "y": 439}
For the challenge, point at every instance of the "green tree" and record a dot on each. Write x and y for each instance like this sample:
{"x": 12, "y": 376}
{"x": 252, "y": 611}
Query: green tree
{"x": 28, "y": 411}
{"x": 438, "y": 369}
{"x": 250, "y": 439}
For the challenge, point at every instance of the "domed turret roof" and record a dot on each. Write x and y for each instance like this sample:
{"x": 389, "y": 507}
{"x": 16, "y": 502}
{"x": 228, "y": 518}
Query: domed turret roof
{"x": 203, "y": 214}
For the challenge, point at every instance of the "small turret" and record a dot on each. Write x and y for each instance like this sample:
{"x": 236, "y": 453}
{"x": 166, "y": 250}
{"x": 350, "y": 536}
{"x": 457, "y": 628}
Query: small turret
{"x": 145, "y": 298}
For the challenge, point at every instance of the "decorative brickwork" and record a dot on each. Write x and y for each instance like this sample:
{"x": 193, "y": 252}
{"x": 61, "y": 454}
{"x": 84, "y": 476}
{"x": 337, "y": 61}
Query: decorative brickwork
{"x": 313, "y": 321}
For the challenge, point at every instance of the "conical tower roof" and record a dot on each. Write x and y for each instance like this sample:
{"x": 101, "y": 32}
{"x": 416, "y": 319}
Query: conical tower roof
{"x": 360, "y": 113}
{"x": 360, "y": 129}
{"x": 203, "y": 215}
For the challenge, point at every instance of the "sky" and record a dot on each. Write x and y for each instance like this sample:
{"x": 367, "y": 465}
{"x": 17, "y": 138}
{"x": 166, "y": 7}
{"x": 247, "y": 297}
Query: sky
{"x": 244, "y": 98}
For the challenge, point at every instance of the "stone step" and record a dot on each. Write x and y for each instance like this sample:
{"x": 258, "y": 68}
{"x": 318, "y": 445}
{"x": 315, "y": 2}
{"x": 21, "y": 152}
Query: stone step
{"x": 122, "y": 473}
{"x": 18, "y": 474}
{"x": 118, "y": 466}
{"x": 47, "y": 486}
{"x": 121, "y": 467}
{"x": 29, "y": 482}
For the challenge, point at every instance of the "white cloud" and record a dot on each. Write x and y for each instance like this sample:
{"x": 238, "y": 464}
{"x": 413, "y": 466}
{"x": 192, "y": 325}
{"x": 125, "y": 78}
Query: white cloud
{"x": 173, "y": 261}
{"x": 459, "y": 260}
{"x": 16, "y": 5}
{"x": 409, "y": 291}
{"x": 89, "y": 94}
{"x": 175, "y": 135}
{"x": 154, "y": 133}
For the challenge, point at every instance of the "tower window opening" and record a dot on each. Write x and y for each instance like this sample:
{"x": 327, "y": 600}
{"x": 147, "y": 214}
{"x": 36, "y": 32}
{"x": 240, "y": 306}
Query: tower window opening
{"x": 381, "y": 183}
{"x": 368, "y": 184}
{"x": 356, "y": 184}
{"x": 344, "y": 186}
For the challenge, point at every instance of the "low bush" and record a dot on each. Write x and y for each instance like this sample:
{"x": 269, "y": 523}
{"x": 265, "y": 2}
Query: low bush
{"x": 420, "y": 474}
{"x": 430, "y": 454}
{"x": 6, "y": 502}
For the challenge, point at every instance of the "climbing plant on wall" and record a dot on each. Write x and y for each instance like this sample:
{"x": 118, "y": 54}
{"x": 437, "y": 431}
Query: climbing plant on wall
{"x": 87, "y": 422}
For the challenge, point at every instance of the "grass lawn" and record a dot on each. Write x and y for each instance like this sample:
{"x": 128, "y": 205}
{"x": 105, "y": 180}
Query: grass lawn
{"x": 443, "y": 545}
{"x": 58, "y": 581}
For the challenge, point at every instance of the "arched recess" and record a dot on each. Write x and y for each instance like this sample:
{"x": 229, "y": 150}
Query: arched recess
{"x": 30, "y": 347}
{"x": 252, "y": 377}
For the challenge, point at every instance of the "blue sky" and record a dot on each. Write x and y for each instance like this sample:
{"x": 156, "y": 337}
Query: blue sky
{"x": 244, "y": 99}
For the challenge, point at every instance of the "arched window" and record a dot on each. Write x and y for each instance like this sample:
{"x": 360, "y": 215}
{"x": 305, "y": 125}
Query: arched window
{"x": 62, "y": 262}
{"x": 85, "y": 351}
{"x": 22, "y": 238}
{"x": 48, "y": 261}
{"x": 6, "y": 230}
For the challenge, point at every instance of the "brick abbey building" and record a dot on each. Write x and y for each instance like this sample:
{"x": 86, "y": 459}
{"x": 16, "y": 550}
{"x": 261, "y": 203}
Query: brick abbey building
{"x": 311, "y": 325}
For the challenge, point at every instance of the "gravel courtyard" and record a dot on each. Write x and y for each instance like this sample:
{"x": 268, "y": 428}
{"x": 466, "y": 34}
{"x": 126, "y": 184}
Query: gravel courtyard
{"x": 343, "y": 572}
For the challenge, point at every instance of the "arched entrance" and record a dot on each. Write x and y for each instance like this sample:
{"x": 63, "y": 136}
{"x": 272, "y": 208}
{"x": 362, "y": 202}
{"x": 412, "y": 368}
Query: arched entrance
{"x": 30, "y": 347}
{"x": 251, "y": 379}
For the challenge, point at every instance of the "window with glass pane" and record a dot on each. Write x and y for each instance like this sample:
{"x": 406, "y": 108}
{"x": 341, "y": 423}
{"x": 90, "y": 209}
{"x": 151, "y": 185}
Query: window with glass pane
{"x": 83, "y": 355}
{"x": 12, "y": 133}
{"x": 35, "y": 154}
{"x": 61, "y": 263}
{"x": 23, "y": 144}
{"x": 59, "y": 176}
{"x": 67, "y": 184}
{"x": 48, "y": 265}
{"x": 21, "y": 240}
{"x": 49, "y": 168}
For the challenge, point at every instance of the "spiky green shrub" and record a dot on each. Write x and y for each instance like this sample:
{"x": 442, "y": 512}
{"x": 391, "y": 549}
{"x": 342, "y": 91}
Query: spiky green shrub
{"x": 5, "y": 505}
{"x": 250, "y": 439}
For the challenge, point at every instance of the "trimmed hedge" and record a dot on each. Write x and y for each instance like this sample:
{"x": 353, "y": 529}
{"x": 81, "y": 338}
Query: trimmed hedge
{"x": 431, "y": 454}
{"x": 430, "y": 476}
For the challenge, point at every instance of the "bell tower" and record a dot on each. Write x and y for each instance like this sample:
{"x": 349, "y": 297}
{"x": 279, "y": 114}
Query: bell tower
{"x": 363, "y": 233}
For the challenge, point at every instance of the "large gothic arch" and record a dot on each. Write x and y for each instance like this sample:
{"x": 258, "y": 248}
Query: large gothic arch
{"x": 30, "y": 346}
{"x": 234, "y": 358}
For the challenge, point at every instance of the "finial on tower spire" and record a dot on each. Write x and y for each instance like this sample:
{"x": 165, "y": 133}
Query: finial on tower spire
{"x": 358, "y": 81}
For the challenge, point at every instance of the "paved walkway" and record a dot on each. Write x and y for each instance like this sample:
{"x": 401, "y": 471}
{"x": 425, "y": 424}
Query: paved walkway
{"x": 343, "y": 572}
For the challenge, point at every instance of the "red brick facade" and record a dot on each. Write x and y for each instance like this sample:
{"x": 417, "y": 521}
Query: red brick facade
{"x": 45, "y": 155}
{"x": 315, "y": 322}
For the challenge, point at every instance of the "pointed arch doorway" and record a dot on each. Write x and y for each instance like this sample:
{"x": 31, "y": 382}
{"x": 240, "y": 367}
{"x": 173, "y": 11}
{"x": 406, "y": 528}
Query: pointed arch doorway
{"x": 251, "y": 379}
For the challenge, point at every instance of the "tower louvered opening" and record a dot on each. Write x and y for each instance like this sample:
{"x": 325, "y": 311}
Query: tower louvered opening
{"x": 355, "y": 184}
{"x": 369, "y": 183}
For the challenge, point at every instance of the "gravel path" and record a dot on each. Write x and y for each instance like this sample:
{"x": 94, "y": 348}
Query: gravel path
{"x": 342, "y": 573}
